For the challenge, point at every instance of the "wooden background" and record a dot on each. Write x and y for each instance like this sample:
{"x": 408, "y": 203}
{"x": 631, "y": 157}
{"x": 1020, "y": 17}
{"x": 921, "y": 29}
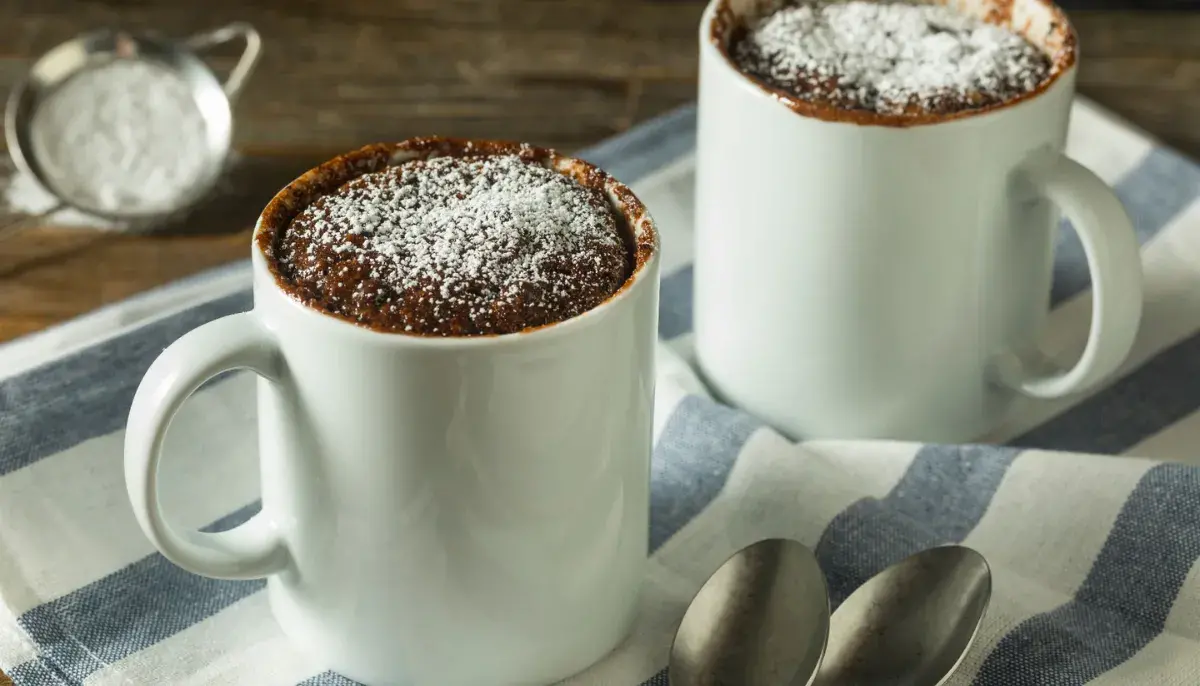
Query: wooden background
{"x": 566, "y": 73}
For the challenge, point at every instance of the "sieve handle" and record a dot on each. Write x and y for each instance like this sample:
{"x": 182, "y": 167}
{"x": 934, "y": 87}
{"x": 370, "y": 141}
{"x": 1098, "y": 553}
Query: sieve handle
{"x": 238, "y": 29}
{"x": 16, "y": 224}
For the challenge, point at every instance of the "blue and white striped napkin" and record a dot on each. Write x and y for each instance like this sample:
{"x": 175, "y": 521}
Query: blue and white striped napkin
{"x": 1095, "y": 558}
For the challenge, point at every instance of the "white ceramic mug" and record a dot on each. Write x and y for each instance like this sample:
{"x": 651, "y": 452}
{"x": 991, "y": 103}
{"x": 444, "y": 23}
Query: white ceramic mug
{"x": 435, "y": 511}
{"x": 859, "y": 276}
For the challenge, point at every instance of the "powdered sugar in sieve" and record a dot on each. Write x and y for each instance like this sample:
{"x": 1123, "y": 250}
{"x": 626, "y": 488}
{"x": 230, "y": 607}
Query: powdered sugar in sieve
{"x": 123, "y": 127}
{"x": 122, "y": 137}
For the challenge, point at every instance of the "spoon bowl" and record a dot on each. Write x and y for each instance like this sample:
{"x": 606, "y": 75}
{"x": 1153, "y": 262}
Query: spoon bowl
{"x": 911, "y": 624}
{"x": 762, "y": 619}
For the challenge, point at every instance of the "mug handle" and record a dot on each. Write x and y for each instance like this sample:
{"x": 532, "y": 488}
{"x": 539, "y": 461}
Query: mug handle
{"x": 241, "y": 71}
{"x": 1115, "y": 263}
{"x": 252, "y": 550}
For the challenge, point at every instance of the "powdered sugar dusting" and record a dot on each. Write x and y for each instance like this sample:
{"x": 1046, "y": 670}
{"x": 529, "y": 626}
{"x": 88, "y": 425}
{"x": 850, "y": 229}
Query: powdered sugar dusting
{"x": 891, "y": 58}
{"x": 24, "y": 195}
{"x": 457, "y": 246}
{"x": 125, "y": 136}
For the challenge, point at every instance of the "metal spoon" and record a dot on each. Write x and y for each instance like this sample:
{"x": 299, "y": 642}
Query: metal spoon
{"x": 761, "y": 620}
{"x": 911, "y": 624}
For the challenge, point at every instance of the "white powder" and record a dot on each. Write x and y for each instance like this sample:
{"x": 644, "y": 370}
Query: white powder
{"x": 481, "y": 241}
{"x": 890, "y": 57}
{"x": 23, "y": 195}
{"x": 125, "y": 136}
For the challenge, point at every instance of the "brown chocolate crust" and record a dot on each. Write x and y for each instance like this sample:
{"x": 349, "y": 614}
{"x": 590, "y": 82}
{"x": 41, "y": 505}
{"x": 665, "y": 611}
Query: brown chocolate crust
{"x": 634, "y": 223}
{"x": 726, "y": 28}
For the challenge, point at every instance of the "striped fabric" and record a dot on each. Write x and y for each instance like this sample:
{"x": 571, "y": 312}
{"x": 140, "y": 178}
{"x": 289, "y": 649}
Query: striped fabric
{"x": 1094, "y": 553}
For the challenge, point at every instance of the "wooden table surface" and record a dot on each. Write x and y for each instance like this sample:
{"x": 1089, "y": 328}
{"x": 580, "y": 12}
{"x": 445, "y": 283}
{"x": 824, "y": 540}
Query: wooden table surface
{"x": 336, "y": 75}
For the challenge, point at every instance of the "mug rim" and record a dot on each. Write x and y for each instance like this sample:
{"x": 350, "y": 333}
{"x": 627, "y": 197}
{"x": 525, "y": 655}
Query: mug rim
{"x": 312, "y": 184}
{"x": 718, "y": 18}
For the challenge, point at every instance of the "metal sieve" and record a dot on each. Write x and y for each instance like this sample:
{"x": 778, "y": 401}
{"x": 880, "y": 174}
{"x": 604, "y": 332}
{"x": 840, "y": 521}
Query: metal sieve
{"x": 213, "y": 99}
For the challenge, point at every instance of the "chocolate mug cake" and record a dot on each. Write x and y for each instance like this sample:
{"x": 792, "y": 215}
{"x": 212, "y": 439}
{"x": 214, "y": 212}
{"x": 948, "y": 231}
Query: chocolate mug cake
{"x": 891, "y": 58}
{"x": 490, "y": 242}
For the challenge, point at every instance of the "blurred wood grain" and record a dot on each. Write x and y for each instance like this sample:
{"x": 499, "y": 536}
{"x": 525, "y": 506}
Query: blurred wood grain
{"x": 564, "y": 73}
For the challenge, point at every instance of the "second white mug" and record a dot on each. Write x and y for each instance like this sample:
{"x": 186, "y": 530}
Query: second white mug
{"x": 856, "y": 277}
